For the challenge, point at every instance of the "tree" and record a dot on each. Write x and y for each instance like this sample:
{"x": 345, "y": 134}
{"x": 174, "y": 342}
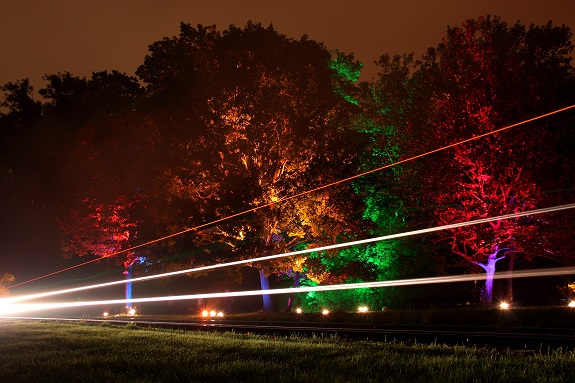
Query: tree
{"x": 384, "y": 122}
{"x": 485, "y": 75}
{"x": 5, "y": 280}
{"x": 21, "y": 110}
{"x": 106, "y": 172}
{"x": 109, "y": 179}
{"x": 18, "y": 123}
{"x": 252, "y": 117}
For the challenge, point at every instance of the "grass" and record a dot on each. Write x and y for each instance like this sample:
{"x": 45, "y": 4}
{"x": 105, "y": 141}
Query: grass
{"x": 62, "y": 352}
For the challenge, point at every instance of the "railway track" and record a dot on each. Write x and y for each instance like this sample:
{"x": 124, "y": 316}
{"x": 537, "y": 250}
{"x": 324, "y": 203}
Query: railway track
{"x": 515, "y": 338}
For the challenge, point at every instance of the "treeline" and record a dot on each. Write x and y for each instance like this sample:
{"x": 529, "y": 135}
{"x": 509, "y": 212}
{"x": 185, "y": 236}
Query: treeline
{"x": 242, "y": 120}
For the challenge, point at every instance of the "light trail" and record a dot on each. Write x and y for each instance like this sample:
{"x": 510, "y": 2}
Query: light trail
{"x": 10, "y": 309}
{"x": 305, "y": 251}
{"x": 309, "y": 191}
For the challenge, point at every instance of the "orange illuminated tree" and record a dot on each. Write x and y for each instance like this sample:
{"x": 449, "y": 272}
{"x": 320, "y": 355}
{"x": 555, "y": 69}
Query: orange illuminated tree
{"x": 253, "y": 117}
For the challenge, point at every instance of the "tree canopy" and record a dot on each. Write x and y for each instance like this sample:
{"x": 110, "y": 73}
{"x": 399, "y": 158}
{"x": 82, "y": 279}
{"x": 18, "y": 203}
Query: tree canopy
{"x": 240, "y": 120}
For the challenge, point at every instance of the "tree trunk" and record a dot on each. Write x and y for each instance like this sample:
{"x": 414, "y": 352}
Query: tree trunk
{"x": 265, "y": 284}
{"x": 128, "y": 289}
{"x": 296, "y": 280}
{"x": 489, "y": 268}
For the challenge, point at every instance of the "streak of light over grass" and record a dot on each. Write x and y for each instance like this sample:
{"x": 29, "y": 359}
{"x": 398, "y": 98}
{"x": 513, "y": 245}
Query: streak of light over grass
{"x": 6, "y": 301}
{"x": 18, "y": 308}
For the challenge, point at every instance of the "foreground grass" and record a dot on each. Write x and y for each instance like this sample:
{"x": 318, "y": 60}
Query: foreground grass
{"x": 69, "y": 352}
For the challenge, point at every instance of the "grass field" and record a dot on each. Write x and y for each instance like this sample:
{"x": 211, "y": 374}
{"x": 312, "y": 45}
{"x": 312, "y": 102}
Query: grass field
{"x": 79, "y": 352}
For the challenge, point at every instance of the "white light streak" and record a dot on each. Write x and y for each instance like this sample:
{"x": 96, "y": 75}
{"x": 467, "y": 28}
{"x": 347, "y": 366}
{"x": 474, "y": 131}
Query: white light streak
{"x": 305, "y": 251}
{"x": 12, "y": 308}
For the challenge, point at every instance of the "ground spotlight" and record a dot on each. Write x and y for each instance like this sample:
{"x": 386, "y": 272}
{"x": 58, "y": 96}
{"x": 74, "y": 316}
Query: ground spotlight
{"x": 298, "y": 311}
{"x": 571, "y": 304}
{"x": 504, "y": 306}
{"x": 325, "y": 312}
{"x": 362, "y": 309}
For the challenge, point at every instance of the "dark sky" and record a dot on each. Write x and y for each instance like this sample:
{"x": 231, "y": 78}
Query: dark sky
{"x": 81, "y": 36}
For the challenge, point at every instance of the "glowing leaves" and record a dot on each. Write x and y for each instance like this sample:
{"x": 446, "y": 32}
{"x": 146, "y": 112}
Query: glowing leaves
{"x": 260, "y": 122}
{"x": 346, "y": 72}
{"x": 478, "y": 79}
{"x": 100, "y": 229}
{"x": 5, "y": 280}
{"x": 346, "y": 67}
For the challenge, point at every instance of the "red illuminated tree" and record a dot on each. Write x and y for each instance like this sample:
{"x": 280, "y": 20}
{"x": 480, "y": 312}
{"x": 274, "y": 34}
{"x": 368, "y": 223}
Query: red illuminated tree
{"x": 483, "y": 76}
{"x": 106, "y": 175}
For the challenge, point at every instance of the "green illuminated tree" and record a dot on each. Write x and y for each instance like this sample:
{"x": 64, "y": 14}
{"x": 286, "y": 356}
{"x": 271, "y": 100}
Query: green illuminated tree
{"x": 386, "y": 105}
{"x": 390, "y": 194}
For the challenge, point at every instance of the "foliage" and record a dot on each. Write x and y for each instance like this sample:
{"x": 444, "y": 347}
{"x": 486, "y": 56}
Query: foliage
{"x": 240, "y": 119}
{"x": 484, "y": 75}
{"x": 252, "y": 119}
{"x": 5, "y": 280}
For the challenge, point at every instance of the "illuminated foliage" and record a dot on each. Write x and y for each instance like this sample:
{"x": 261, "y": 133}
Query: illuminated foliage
{"x": 484, "y": 75}
{"x": 111, "y": 223}
{"x": 110, "y": 181}
{"x": 253, "y": 118}
{"x": 346, "y": 74}
{"x": 237, "y": 119}
{"x": 5, "y": 280}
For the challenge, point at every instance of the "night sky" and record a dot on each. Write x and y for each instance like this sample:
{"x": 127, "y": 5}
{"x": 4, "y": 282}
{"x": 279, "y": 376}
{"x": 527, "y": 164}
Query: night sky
{"x": 78, "y": 36}
{"x": 46, "y": 37}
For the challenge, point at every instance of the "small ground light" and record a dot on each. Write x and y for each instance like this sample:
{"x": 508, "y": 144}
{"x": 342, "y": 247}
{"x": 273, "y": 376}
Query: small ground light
{"x": 504, "y": 305}
{"x": 325, "y": 312}
{"x": 213, "y": 313}
{"x": 205, "y": 313}
{"x": 132, "y": 311}
{"x": 298, "y": 310}
{"x": 571, "y": 304}
{"x": 105, "y": 314}
{"x": 362, "y": 309}
{"x": 220, "y": 314}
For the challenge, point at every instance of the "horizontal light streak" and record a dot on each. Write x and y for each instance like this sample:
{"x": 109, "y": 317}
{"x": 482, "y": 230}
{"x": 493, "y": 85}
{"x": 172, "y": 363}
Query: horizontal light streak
{"x": 305, "y": 251}
{"x": 18, "y": 308}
